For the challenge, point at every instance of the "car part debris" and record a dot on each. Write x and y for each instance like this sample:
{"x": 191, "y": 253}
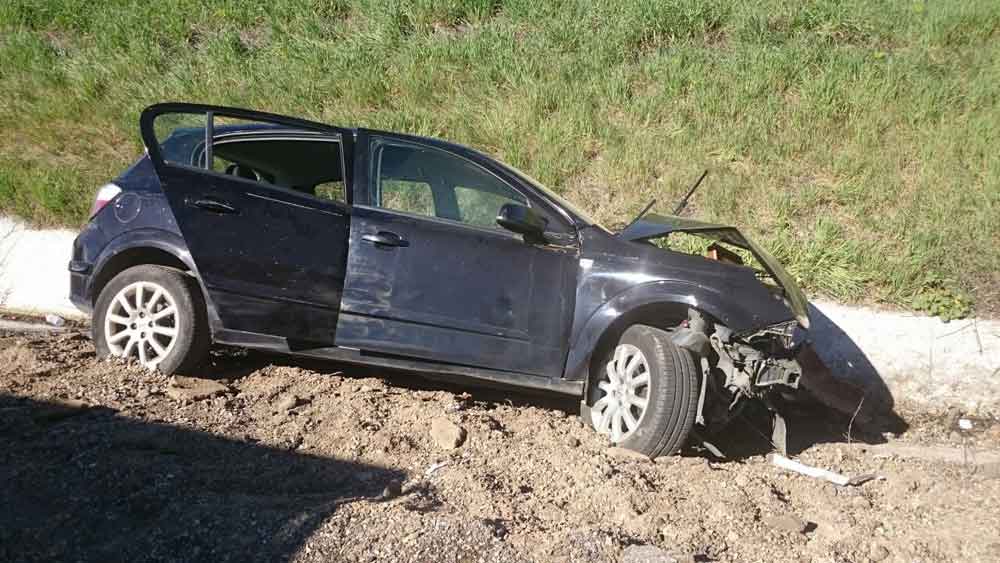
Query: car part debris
{"x": 712, "y": 448}
{"x": 820, "y": 473}
{"x": 779, "y": 433}
{"x": 434, "y": 467}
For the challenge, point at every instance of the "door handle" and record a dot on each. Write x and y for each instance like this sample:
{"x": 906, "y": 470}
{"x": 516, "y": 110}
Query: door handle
{"x": 385, "y": 238}
{"x": 213, "y": 205}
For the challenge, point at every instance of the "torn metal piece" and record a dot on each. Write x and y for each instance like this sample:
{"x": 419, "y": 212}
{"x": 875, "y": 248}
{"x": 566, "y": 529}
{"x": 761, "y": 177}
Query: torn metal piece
{"x": 779, "y": 433}
{"x": 708, "y": 445}
{"x": 819, "y": 473}
{"x": 705, "y": 369}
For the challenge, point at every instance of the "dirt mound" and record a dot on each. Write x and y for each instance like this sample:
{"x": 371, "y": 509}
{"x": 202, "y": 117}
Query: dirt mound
{"x": 283, "y": 460}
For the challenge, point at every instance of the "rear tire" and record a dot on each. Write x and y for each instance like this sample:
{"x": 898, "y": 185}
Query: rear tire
{"x": 155, "y": 315}
{"x": 645, "y": 396}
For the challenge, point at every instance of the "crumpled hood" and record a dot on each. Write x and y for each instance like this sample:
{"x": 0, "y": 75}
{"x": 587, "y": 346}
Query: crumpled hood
{"x": 652, "y": 226}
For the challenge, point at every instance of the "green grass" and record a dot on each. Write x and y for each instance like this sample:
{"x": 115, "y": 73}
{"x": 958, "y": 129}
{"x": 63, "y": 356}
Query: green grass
{"x": 857, "y": 140}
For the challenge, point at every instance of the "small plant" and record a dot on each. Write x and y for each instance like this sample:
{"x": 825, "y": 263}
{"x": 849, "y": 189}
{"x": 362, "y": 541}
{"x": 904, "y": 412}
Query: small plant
{"x": 940, "y": 300}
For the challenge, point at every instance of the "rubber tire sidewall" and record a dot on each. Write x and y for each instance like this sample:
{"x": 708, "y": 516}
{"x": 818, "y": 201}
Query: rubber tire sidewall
{"x": 673, "y": 392}
{"x": 191, "y": 346}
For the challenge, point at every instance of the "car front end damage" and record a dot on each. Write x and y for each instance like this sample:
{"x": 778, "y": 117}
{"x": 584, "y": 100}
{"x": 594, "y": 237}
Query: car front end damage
{"x": 769, "y": 362}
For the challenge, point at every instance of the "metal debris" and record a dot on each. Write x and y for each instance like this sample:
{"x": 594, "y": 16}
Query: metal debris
{"x": 820, "y": 473}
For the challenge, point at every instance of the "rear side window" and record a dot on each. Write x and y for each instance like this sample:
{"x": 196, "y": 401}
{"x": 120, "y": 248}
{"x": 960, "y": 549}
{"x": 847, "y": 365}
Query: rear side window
{"x": 435, "y": 183}
{"x": 180, "y": 136}
{"x": 306, "y": 161}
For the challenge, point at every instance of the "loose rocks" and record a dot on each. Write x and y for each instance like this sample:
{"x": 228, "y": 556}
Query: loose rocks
{"x": 446, "y": 434}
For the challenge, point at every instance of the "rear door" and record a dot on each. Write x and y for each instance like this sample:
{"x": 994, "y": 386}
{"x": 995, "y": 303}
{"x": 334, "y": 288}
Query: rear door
{"x": 432, "y": 276}
{"x": 261, "y": 201}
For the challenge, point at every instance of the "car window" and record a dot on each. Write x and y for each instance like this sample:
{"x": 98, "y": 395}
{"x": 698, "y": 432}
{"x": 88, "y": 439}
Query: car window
{"x": 411, "y": 197}
{"x": 333, "y": 191}
{"x": 435, "y": 183}
{"x": 479, "y": 207}
{"x": 303, "y": 160}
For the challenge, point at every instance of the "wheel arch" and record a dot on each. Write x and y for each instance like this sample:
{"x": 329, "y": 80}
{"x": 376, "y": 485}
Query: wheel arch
{"x": 146, "y": 246}
{"x": 661, "y": 304}
{"x": 135, "y": 248}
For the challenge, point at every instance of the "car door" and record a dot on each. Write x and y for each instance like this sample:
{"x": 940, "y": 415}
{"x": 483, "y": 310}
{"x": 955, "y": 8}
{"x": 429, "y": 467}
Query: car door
{"x": 262, "y": 204}
{"x": 430, "y": 275}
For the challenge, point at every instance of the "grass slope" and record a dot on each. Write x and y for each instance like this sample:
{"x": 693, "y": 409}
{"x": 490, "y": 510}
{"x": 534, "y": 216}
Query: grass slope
{"x": 856, "y": 139}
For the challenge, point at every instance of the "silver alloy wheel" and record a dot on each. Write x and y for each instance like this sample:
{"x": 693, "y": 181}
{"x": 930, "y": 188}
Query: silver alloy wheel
{"x": 143, "y": 322}
{"x": 624, "y": 394}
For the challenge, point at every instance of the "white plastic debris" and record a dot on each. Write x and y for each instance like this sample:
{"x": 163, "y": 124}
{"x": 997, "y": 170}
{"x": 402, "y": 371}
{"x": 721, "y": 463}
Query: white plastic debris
{"x": 434, "y": 467}
{"x": 965, "y": 424}
{"x": 55, "y": 320}
{"x": 819, "y": 473}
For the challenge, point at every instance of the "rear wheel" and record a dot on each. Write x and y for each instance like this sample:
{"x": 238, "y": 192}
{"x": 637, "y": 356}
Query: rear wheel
{"x": 154, "y": 315}
{"x": 645, "y": 396}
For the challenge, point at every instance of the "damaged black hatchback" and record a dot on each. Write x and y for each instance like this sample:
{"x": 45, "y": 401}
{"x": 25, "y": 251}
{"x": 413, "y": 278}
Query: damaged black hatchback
{"x": 269, "y": 232}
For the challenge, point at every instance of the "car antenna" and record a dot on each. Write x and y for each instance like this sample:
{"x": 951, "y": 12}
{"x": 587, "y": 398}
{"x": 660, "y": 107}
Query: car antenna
{"x": 684, "y": 201}
{"x": 641, "y": 213}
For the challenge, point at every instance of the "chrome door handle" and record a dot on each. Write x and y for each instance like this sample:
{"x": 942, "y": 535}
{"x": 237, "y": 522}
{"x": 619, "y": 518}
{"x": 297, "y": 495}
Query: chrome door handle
{"x": 385, "y": 238}
{"x": 213, "y": 205}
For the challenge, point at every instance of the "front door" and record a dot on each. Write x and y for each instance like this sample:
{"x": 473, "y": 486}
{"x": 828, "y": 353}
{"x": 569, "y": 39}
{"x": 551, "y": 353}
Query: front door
{"x": 262, "y": 203}
{"x": 430, "y": 275}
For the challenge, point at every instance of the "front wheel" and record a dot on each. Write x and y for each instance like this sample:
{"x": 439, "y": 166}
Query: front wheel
{"x": 155, "y": 315}
{"x": 645, "y": 396}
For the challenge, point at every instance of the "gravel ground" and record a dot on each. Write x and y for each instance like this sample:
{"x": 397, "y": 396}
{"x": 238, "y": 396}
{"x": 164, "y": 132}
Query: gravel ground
{"x": 279, "y": 460}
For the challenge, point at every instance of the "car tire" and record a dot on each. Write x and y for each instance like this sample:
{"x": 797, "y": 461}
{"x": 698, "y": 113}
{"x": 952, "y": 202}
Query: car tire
{"x": 153, "y": 314}
{"x": 653, "y": 402}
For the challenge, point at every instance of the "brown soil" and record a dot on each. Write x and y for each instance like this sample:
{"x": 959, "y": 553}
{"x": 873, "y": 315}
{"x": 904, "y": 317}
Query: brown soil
{"x": 298, "y": 462}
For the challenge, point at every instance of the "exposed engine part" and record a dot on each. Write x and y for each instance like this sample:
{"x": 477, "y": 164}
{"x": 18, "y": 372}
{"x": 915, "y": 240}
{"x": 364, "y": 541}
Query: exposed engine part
{"x": 760, "y": 360}
{"x": 735, "y": 367}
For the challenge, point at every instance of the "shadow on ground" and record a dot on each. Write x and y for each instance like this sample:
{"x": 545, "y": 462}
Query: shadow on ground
{"x": 233, "y": 364}
{"x": 88, "y": 485}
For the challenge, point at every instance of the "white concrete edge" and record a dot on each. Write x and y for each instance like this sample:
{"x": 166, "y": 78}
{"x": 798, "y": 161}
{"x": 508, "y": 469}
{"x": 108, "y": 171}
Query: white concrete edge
{"x": 33, "y": 269}
{"x": 917, "y": 359}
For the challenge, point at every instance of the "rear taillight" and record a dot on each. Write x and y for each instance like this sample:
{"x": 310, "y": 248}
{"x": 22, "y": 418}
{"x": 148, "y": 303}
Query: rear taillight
{"x": 107, "y": 193}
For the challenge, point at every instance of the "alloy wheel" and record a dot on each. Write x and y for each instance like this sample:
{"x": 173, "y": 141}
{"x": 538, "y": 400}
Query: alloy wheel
{"x": 623, "y": 394}
{"x": 142, "y": 322}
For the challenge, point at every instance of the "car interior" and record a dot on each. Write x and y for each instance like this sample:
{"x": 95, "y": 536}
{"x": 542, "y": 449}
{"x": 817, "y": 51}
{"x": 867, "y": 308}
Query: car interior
{"x": 311, "y": 166}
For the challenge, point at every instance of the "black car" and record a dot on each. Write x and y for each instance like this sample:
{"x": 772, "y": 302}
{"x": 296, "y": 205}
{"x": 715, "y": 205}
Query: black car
{"x": 256, "y": 230}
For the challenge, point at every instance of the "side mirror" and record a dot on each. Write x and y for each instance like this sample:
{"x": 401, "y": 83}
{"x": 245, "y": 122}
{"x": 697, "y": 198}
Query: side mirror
{"x": 522, "y": 220}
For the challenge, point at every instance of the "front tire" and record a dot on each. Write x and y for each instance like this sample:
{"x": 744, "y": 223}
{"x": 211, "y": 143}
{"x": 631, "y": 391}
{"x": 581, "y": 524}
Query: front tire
{"x": 154, "y": 315}
{"x": 645, "y": 396}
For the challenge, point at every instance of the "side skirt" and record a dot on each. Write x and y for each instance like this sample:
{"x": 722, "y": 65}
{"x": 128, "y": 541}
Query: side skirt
{"x": 448, "y": 372}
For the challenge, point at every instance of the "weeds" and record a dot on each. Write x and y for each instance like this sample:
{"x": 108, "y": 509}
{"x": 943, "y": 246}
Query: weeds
{"x": 855, "y": 139}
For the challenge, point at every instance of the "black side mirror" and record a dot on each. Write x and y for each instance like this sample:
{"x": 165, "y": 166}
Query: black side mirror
{"x": 522, "y": 220}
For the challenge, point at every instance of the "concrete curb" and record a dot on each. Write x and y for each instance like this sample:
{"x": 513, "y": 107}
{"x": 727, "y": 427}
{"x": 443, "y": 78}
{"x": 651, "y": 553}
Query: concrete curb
{"x": 33, "y": 269}
{"x": 917, "y": 359}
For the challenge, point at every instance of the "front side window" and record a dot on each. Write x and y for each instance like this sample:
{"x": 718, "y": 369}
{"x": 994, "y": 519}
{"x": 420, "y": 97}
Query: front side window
{"x": 434, "y": 183}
